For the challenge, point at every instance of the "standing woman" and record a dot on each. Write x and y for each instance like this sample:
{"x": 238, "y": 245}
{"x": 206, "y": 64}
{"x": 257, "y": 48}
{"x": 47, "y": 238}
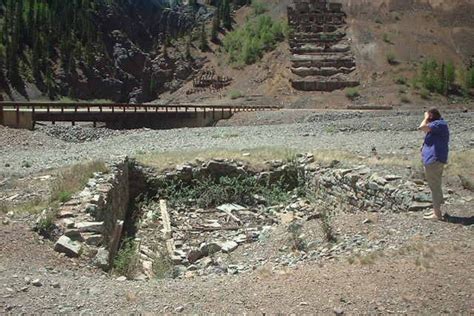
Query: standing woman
{"x": 434, "y": 154}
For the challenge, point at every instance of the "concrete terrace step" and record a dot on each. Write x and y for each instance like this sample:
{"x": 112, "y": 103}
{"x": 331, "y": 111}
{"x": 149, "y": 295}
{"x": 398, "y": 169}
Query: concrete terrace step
{"x": 311, "y": 49}
{"x": 328, "y": 85}
{"x": 323, "y": 71}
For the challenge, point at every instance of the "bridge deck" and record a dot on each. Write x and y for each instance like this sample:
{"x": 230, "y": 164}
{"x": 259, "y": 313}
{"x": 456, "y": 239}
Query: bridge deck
{"x": 26, "y": 114}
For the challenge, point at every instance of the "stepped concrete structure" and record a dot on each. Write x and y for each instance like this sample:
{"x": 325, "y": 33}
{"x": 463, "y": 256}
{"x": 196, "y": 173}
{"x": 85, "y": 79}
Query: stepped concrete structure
{"x": 321, "y": 54}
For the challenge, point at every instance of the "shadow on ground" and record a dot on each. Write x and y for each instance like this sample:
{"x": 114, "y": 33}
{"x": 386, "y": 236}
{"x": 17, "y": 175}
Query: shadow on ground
{"x": 466, "y": 221}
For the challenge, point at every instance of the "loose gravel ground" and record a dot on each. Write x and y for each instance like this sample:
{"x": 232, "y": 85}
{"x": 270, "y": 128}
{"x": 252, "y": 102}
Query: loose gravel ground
{"x": 25, "y": 152}
{"x": 421, "y": 267}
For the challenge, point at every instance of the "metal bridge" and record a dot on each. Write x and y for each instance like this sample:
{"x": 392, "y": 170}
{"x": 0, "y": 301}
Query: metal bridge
{"x": 119, "y": 115}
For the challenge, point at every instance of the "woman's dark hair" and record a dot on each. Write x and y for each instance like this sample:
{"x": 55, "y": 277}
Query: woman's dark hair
{"x": 434, "y": 115}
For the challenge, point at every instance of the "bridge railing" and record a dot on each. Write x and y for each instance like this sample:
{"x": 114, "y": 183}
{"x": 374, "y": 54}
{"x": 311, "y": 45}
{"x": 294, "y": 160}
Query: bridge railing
{"x": 82, "y": 107}
{"x": 48, "y": 106}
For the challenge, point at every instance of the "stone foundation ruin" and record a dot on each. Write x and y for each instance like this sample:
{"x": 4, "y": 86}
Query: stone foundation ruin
{"x": 193, "y": 235}
{"x": 321, "y": 55}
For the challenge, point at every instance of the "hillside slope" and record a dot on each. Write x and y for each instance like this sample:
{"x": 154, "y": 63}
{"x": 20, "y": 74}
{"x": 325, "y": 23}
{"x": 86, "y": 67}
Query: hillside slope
{"x": 412, "y": 31}
{"x": 136, "y": 67}
{"x": 89, "y": 49}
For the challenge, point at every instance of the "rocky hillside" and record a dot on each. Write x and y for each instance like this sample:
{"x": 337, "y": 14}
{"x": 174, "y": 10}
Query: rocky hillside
{"x": 138, "y": 51}
{"x": 118, "y": 50}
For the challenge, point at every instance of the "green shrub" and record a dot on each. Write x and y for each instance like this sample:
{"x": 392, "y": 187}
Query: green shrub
{"x": 425, "y": 94}
{"x": 246, "y": 45}
{"x": 326, "y": 225}
{"x": 126, "y": 261}
{"x": 235, "y": 94}
{"x": 392, "y": 59}
{"x": 45, "y": 225}
{"x": 401, "y": 80}
{"x": 259, "y": 7}
{"x": 405, "y": 99}
{"x": 469, "y": 79}
{"x": 64, "y": 196}
{"x": 437, "y": 78}
{"x": 386, "y": 38}
{"x": 209, "y": 192}
{"x": 352, "y": 93}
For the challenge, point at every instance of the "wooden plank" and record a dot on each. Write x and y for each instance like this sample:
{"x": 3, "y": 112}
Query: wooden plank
{"x": 167, "y": 232}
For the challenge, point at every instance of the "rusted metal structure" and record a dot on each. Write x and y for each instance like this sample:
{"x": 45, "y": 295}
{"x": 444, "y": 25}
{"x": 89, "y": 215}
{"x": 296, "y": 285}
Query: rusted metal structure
{"x": 321, "y": 55}
{"x": 119, "y": 116}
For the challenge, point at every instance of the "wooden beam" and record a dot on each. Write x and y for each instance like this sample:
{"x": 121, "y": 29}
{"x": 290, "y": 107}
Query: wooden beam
{"x": 167, "y": 232}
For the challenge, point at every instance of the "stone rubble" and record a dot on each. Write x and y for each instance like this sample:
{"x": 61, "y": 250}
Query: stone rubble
{"x": 202, "y": 238}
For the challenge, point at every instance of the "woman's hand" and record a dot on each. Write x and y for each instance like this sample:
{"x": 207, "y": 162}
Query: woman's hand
{"x": 424, "y": 125}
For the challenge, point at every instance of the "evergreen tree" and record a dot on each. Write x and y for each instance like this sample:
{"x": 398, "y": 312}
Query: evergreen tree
{"x": 203, "y": 45}
{"x": 188, "y": 47}
{"x": 226, "y": 16}
{"x": 215, "y": 28}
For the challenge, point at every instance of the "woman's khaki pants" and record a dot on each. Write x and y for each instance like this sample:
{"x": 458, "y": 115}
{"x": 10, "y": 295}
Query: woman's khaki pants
{"x": 434, "y": 175}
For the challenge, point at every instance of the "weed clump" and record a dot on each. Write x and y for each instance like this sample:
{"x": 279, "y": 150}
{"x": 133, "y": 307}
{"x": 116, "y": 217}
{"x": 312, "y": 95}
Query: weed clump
{"x": 127, "y": 260}
{"x": 235, "y": 94}
{"x": 241, "y": 189}
{"x": 352, "y": 93}
{"x": 392, "y": 59}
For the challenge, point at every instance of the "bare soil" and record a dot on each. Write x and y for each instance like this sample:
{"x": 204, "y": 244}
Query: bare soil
{"x": 430, "y": 272}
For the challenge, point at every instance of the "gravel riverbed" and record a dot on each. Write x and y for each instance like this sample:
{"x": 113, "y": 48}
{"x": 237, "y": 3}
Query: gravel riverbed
{"x": 26, "y": 152}
{"x": 381, "y": 262}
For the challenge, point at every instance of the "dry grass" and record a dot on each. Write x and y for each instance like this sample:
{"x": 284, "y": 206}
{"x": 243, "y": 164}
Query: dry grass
{"x": 423, "y": 254}
{"x": 72, "y": 179}
{"x": 256, "y": 157}
{"x": 460, "y": 162}
{"x": 34, "y": 206}
{"x": 68, "y": 181}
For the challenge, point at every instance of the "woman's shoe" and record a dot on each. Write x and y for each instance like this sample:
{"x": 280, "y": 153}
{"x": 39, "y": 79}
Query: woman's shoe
{"x": 433, "y": 217}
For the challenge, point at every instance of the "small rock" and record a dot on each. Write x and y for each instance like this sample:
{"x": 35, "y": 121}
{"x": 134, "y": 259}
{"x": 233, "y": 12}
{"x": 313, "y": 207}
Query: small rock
{"x": 5, "y": 221}
{"x": 208, "y": 249}
{"x": 122, "y": 278}
{"x": 338, "y": 311}
{"x": 228, "y": 246}
{"x": 179, "y": 309}
{"x": 304, "y": 304}
{"x": 27, "y": 280}
{"x": 240, "y": 239}
{"x": 194, "y": 255}
{"x": 367, "y": 221}
{"x": 55, "y": 285}
{"x": 36, "y": 282}
{"x": 101, "y": 259}
{"x": 205, "y": 262}
{"x": 419, "y": 206}
{"x": 93, "y": 227}
{"x": 92, "y": 239}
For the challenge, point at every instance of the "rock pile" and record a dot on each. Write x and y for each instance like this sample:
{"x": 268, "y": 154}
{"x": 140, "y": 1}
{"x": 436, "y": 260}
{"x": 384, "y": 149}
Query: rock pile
{"x": 78, "y": 134}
